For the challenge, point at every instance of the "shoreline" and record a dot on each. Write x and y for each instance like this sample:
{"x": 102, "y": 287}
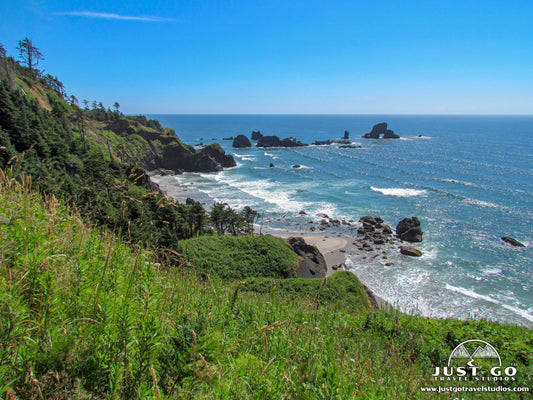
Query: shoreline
{"x": 335, "y": 246}
{"x": 335, "y": 250}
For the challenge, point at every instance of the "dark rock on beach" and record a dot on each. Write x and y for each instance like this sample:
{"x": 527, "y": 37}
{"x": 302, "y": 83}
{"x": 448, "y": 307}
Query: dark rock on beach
{"x": 372, "y": 230}
{"x": 346, "y": 135}
{"x": 410, "y": 251}
{"x": 380, "y": 130}
{"x": 241, "y": 142}
{"x": 311, "y": 263}
{"x": 512, "y": 241}
{"x": 409, "y": 229}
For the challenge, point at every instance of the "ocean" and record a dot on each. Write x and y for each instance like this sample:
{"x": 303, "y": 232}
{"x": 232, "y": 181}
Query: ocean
{"x": 468, "y": 179}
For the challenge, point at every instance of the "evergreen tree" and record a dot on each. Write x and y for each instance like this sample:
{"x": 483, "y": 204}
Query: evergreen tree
{"x": 74, "y": 101}
{"x": 249, "y": 216}
{"x": 3, "y": 52}
{"x": 29, "y": 54}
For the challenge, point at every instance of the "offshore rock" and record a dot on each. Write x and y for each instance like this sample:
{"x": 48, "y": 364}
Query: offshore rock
{"x": 241, "y": 142}
{"x": 274, "y": 141}
{"x": 256, "y": 135}
{"x": 291, "y": 142}
{"x": 409, "y": 229}
{"x": 324, "y": 142}
{"x": 215, "y": 151}
{"x": 512, "y": 241}
{"x": 381, "y": 129}
{"x": 268, "y": 141}
{"x": 311, "y": 262}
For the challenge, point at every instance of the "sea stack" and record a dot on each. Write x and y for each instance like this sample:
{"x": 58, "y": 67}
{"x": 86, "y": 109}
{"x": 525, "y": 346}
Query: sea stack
{"x": 256, "y": 135}
{"x": 408, "y": 229}
{"x": 380, "y": 130}
{"x": 241, "y": 142}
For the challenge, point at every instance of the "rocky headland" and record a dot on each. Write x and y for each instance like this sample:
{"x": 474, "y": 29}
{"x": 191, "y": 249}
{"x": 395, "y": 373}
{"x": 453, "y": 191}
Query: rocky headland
{"x": 160, "y": 148}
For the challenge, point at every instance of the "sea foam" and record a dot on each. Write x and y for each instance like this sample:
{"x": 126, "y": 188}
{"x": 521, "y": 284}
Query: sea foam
{"x": 471, "y": 294}
{"x": 399, "y": 192}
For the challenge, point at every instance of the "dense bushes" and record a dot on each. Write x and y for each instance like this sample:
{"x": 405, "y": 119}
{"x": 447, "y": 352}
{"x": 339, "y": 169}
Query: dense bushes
{"x": 240, "y": 257}
{"x": 342, "y": 288}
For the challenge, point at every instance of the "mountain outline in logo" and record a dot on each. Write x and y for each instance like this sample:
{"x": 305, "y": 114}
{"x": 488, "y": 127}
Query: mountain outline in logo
{"x": 485, "y": 351}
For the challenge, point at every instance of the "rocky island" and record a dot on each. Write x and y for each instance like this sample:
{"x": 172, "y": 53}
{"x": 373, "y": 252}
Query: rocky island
{"x": 241, "y": 142}
{"x": 274, "y": 141}
{"x": 380, "y": 131}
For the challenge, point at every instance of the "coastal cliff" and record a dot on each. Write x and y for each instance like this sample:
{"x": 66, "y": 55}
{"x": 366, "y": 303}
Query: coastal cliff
{"x": 162, "y": 149}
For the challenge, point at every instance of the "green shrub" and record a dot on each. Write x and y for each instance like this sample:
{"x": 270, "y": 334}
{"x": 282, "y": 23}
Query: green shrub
{"x": 240, "y": 257}
{"x": 342, "y": 288}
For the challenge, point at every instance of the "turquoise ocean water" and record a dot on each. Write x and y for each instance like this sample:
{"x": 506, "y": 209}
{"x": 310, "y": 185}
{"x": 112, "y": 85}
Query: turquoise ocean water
{"x": 469, "y": 179}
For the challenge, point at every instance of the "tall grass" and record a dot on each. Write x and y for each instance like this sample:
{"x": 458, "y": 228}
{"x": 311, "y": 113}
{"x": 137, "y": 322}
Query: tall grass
{"x": 84, "y": 316}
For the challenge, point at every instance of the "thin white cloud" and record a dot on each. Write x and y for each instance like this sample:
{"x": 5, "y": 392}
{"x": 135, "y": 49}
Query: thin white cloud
{"x": 100, "y": 15}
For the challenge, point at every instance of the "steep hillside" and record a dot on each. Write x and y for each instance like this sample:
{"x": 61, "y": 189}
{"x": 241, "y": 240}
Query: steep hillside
{"x": 96, "y": 158}
{"x": 83, "y": 316}
{"x": 130, "y": 139}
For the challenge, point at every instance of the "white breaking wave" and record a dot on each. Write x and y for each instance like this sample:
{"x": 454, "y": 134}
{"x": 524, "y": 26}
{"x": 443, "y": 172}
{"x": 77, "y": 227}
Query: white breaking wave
{"x": 267, "y": 191}
{"x": 481, "y": 203}
{"x": 492, "y": 270}
{"x": 471, "y": 294}
{"x": 458, "y": 182}
{"x": 244, "y": 157}
{"x": 399, "y": 192}
{"x": 523, "y": 313}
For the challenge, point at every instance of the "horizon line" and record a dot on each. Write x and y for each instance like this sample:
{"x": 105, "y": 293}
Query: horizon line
{"x": 346, "y": 114}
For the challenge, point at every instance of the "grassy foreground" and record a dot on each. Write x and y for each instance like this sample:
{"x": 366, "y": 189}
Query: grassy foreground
{"x": 84, "y": 316}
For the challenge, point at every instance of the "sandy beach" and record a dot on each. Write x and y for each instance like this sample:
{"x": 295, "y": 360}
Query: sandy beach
{"x": 334, "y": 249}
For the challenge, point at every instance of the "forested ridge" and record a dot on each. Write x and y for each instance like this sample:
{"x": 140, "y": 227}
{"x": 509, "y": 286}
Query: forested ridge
{"x": 95, "y": 158}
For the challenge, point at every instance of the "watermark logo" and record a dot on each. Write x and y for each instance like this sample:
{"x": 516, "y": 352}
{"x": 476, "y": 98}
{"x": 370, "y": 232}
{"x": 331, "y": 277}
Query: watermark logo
{"x": 475, "y": 360}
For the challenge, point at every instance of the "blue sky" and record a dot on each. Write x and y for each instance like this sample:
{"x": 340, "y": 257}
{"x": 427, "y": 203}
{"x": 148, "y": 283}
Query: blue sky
{"x": 346, "y": 57}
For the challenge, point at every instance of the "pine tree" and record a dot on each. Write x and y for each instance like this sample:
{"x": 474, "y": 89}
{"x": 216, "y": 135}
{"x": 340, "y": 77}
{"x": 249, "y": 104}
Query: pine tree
{"x": 29, "y": 54}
